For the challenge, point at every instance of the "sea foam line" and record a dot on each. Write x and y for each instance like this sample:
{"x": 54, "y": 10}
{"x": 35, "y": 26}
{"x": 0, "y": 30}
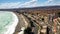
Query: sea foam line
{"x": 11, "y": 28}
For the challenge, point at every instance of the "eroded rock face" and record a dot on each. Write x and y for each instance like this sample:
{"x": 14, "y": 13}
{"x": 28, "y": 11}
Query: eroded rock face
{"x": 8, "y": 22}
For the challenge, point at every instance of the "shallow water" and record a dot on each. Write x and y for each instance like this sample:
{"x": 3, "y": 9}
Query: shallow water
{"x": 8, "y": 22}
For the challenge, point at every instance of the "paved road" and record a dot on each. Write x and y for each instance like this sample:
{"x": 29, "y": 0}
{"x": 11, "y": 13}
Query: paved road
{"x": 23, "y": 22}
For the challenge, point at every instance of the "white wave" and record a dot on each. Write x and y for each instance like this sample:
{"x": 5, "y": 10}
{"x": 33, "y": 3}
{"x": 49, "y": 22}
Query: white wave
{"x": 11, "y": 28}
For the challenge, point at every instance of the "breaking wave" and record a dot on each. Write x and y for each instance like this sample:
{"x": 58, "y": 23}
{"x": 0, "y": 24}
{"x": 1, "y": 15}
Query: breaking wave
{"x": 8, "y": 22}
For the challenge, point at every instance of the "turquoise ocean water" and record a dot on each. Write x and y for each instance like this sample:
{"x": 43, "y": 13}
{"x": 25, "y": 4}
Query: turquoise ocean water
{"x": 6, "y": 19}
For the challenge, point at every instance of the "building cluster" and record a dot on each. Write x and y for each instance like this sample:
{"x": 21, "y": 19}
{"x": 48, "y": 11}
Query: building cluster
{"x": 44, "y": 24}
{"x": 41, "y": 20}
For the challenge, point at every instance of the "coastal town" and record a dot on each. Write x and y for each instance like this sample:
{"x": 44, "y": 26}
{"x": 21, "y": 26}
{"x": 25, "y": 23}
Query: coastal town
{"x": 37, "y": 20}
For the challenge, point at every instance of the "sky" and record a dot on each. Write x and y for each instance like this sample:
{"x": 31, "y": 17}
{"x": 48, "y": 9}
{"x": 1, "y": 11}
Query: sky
{"x": 6, "y": 4}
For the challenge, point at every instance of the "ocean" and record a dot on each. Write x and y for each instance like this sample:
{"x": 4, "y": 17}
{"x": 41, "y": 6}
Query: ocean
{"x": 8, "y": 22}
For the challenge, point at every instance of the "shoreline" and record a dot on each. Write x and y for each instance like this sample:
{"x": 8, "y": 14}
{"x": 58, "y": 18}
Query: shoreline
{"x": 11, "y": 28}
